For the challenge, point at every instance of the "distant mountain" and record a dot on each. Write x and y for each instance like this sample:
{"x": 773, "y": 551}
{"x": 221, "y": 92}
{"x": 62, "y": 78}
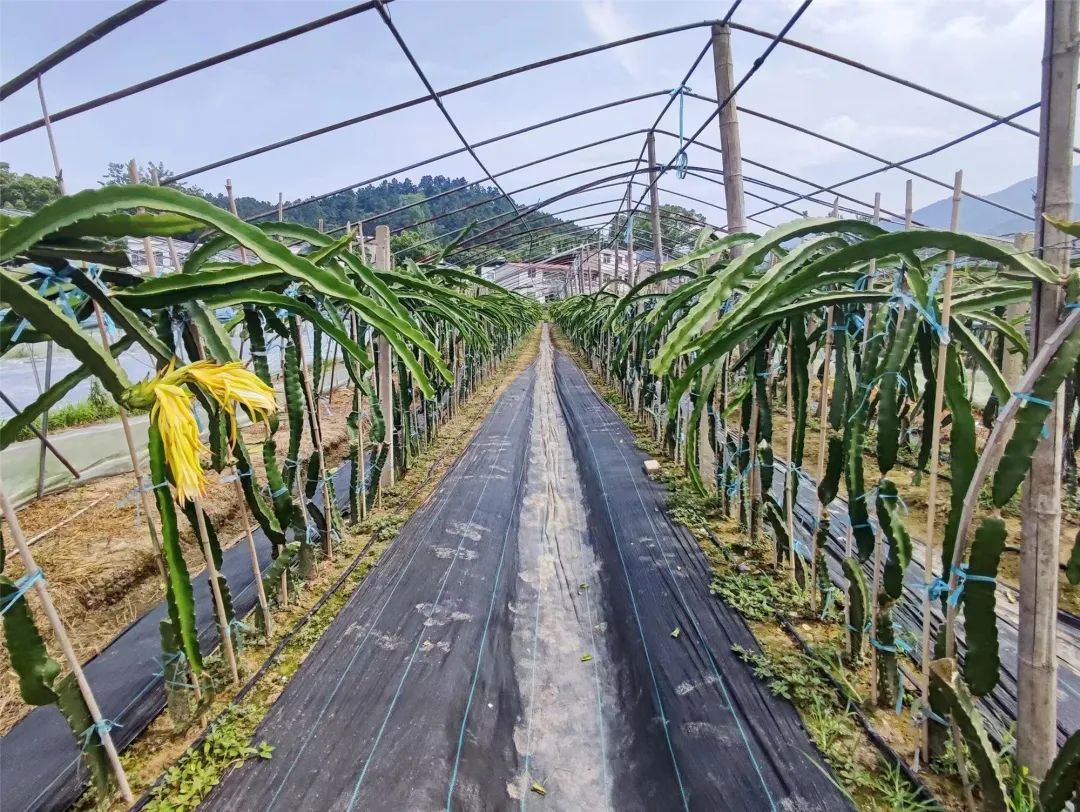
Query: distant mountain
{"x": 981, "y": 218}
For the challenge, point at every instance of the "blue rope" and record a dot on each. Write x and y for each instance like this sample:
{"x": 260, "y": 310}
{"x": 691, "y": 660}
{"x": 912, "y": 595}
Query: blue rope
{"x": 101, "y": 728}
{"x": 1027, "y": 397}
{"x": 681, "y": 160}
{"x": 22, "y": 586}
{"x": 937, "y": 588}
{"x": 828, "y": 602}
{"x": 963, "y": 577}
{"x": 279, "y": 492}
{"x": 1073, "y": 306}
{"x": 801, "y": 550}
{"x": 901, "y": 381}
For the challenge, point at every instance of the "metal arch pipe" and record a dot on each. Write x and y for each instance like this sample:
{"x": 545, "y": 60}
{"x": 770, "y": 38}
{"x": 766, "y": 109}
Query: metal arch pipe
{"x": 925, "y": 154}
{"x": 380, "y": 6}
{"x": 69, "y": 49}
{"x": 460, "y": 150}
{"x": 796, "y": 178}
{"x": 187, "y": 70}
{"x": 851, "y": 63}
{"x": 543, "y": 63}
{"x": 511, "y": 170}
{"x": 857, "y": 150}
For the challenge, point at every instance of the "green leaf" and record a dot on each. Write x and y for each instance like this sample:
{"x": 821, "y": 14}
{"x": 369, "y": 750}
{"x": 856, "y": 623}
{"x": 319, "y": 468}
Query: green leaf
{"x": 30, "y": 660}
{"x": 47, "y": 317}
{"x": 981, "y": 663}
{"x": 179, "y": 597}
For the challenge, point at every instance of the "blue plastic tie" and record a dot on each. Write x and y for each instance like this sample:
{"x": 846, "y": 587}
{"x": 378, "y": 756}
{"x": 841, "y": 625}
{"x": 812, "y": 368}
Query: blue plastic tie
{"x": 279, "y": 492}
{"x": 828, "y": 602}
{"x": 101, "y": 728}
{"x": 1073, "y": 306}
{"x": 1030, "y": 398}
{"x": 937, "y": 588}
{"x": 962, "y": 578}
{"x": 801, "y": 550}
{"x": 22, "y": 586}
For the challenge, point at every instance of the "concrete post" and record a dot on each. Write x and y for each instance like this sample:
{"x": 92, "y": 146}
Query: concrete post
{"x": 1036, "y": 737}
{"x": 731, "y": 150}
{"x": 654, "y": 205}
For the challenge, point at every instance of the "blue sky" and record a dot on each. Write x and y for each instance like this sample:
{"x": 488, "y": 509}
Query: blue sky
{"x": 985, "y": 51}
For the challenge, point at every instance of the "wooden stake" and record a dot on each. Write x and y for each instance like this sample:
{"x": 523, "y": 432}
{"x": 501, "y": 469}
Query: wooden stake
{"x": 215, "y": 588}
{"x": 823, "y": 437}
{"x": 935, "y": 450}
{"x": 316, "y": 439}
{"x": 385, "y": 367}
{"x": 792, "y": 474}
{"x": 264, "y": 606}
{"x": 16, "y": 533}
{"x": 136, "y": 468}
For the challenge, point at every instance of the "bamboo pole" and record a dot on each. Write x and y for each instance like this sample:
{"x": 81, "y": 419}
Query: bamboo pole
{"x": 935, "y": 451}
{"x": 129, "y": 438}
{"x": 101, "y": 726}
{"x": 1037, "y": 639}
{"x": 823, "y": 436}
{"x": 44, "y": 434}
{"x": 44, "y": 422}
{"x": 385, "y": 366}
{"x": 215, "y": 588}
{"x": 792, "y": 474}
{"x": 264, "y": 605}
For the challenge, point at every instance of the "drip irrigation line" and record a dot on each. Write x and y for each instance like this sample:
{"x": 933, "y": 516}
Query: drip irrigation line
{"x": 543, "y": 63}
{"x": 851, "y": 63}
{"x": 925, "y": 154}
{"x": 187, "y": 70}
{"x": 315, "y": 198}
{"x": 84, "y": 40}
{"x": 379, "y": 4}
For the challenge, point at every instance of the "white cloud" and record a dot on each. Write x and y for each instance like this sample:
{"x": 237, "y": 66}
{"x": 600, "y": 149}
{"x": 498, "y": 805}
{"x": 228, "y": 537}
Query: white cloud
{"x": 607, "y": 22}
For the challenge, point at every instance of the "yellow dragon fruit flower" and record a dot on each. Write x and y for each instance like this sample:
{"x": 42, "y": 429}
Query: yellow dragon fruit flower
{"x": 175, "y": 420}
{"x": 230, "y": 384}
{"x": 171, "y": 411}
